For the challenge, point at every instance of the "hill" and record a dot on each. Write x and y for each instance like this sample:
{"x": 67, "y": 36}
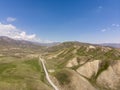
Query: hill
{"x": 71, "y": 66}
{"x": 18, "y": 48}
{"x": 84, "y": 66}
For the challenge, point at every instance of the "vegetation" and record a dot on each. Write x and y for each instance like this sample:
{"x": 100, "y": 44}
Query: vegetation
{"x": 22, "y": 74}
{"x": 103, "y": 66}
{"x": 63, "y": 77}
{"x": 34, "y": 64}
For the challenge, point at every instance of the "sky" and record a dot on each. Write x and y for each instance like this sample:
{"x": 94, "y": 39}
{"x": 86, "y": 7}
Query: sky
{"x": 92, "y": 21}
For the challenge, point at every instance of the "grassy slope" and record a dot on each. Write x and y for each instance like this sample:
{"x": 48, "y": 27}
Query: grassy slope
{"x": 27, "y": 74}
{"x": 21, "y": 74}
{"x": 58, "y": 63}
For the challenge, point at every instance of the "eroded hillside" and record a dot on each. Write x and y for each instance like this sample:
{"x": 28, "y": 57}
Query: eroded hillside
{"x": 81, "y": 66}
{"x": 71, "y": 66}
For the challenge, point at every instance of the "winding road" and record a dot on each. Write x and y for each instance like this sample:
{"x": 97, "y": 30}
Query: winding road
{"x": 47, "y": 75}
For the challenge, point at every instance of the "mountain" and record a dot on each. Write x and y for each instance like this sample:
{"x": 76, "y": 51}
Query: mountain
{"x": 13, "y": 47}
{"x": 17, "y": 43}
{"x": 71, "y": 66}
{"x": 83, "y": 66}
{"x": 115, "y": 45}
{"x": 12, "y": 42}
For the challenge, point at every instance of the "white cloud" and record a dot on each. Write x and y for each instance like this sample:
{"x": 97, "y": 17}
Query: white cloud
{"x": 99, "y": 9}
{"x": 112, "y": 28}
{"x": 11, "y": 19}
{"x": 11, "y": 31}
{"x": 24, "y": 36}
{"x": 115, "y": 25}
{"x": 15, "y": 33}
{"x": 103, "y": 30}
{"x": 7, "y": 27}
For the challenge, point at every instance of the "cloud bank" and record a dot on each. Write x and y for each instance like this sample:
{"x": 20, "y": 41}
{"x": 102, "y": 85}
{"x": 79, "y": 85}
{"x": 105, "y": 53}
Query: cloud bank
{"x": 12, "y": 31}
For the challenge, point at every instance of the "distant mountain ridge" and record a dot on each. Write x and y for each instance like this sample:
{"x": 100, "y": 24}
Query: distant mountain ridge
{"x": 114, "y": 45}
{"x": 19, "y": 48}
{"x": 10, "y": 47}
{"x": 4, "y": 40}
{"x": 9, "y": 42}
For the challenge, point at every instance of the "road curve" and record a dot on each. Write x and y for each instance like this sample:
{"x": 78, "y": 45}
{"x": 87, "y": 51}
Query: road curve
{"x": 47, "y": 76}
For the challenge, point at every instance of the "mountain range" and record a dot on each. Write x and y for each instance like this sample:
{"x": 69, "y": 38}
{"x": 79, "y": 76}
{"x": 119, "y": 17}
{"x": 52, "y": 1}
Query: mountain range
{"x": 71, "y": 65}
{"x": 115, "y": 45}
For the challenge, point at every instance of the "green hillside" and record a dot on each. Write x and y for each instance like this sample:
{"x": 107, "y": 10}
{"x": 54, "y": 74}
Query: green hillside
{"x": 22, "y": 74}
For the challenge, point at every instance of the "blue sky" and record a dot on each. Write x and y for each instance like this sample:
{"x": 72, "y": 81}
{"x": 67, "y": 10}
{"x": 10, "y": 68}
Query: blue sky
{"x": 93, "y": 21}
